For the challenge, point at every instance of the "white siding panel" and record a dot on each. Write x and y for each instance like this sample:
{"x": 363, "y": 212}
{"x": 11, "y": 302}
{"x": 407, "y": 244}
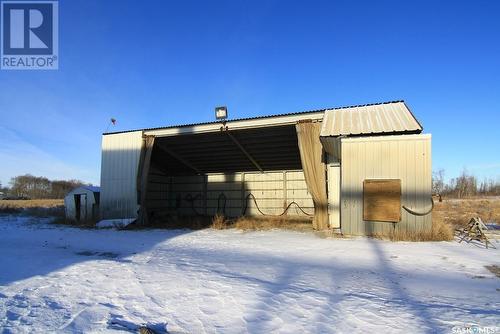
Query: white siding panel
{"x": 333, "y": 173}
{"x": 119, "y": 166}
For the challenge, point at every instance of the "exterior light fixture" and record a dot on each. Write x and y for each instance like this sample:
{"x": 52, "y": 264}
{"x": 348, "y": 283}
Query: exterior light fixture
{"x": 221, "y": 113}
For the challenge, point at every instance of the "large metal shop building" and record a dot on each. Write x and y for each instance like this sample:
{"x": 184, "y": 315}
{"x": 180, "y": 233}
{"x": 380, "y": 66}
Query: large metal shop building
{"x": 361, "y": 169}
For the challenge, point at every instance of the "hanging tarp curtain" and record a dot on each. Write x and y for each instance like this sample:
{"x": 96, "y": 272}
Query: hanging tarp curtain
{"x": 142, "y": 178}
{"x": 311, "y": 156}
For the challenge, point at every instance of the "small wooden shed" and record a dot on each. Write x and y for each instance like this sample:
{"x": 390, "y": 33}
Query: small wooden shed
{"x": 82, "y": 203}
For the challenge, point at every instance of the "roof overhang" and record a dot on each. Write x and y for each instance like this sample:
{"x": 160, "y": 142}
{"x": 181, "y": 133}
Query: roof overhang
{"x": 243, "y": 124}
{"x": 228, "y": 150}
{"x": 269, "y": 142}
{"x": 367, "y": 120}
{"x": 245, "y": 145}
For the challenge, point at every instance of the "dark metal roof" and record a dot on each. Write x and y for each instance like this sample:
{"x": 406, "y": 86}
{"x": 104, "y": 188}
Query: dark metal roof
{"x": 215, "y": 152}
{"x": 253, "y": 118}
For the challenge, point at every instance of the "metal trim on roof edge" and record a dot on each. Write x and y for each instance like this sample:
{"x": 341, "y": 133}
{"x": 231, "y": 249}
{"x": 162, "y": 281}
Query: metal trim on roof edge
{"x": 228, "y": 122}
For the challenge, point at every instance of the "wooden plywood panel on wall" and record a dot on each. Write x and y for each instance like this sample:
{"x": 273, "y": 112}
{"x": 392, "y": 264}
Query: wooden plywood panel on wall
{"x": 382, "y": 200}
{"x": 405, "y": 157}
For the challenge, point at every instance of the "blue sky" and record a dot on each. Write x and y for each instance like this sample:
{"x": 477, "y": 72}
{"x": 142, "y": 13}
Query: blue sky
{"x": 155, "y": 63}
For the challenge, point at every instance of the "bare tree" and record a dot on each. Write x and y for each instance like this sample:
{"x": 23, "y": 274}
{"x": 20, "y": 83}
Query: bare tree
{"x": 489, "y": 187}
{"x": 3, "y": 190}
{"x": 438, "y": 181}
{"x": 61, "y": 187}
{"x": 40, "y": 187}
{"x": 465, "y": 185}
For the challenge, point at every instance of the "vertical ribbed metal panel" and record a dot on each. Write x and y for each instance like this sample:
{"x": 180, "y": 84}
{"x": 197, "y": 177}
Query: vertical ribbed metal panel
{"x": 119, "y": 164}
{"x": 369, "y": 119}
{"x": 333, "y": 173}
{"x": 406, "y": 157}
{"x": 273, "y": 191}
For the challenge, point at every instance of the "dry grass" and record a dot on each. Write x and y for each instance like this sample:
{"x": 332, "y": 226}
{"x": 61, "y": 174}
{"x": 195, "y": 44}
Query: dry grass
{"x": 440, "y": 232}
{"x": 219, "y": 222}
{"x": 35, "y": 208}
{"x": 449, "y": 215}
{"x": 458, "y": 212}
{"x": 32, "y": 203}
{"x": 169, "y": 220}
{"x": 269, "y": 223}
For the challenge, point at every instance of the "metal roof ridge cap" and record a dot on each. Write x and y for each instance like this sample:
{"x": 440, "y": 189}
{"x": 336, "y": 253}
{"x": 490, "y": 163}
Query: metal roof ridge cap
{"x": 364, "y": 105}
{"x": 257, "y": 117}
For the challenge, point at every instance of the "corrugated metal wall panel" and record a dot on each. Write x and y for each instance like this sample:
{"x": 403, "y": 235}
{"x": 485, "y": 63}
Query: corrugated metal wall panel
{"x": 369, "y": 119}
{"x": 119, "y": 164}
{"x": 333, "y": 183}
{"x": 406, "y": 157}
{"x": 268, "y": 189}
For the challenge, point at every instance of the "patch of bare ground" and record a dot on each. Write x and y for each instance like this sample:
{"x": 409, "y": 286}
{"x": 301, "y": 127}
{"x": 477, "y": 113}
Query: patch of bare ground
{"x": 69, "y": 222}
{"x": 169, "y": 220}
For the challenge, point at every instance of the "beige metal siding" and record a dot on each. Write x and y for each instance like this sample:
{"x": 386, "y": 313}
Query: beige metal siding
{"x": 333, "y": 173}
{"x": 275, "y": 190}
{"x": 272, "y": 190}
{"x": 370, "y": 119}
{"x": 406, "y": 157}
{"x": 119, "y": 164}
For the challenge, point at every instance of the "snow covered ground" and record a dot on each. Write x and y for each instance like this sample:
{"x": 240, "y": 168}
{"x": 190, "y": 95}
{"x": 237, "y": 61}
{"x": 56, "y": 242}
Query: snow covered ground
{"x": 63, "y": 279}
